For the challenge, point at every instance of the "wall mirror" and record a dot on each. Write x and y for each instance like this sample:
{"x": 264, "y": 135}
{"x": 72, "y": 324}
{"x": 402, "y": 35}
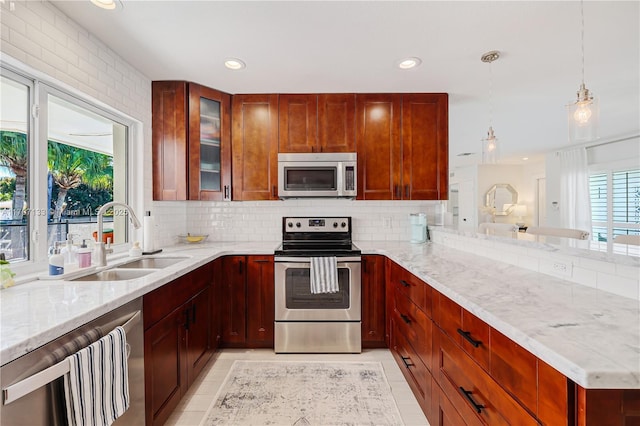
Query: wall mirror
{"x": 501, "y": 198}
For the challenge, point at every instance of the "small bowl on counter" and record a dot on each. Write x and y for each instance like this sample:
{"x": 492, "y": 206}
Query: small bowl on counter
{"x": 193, "y": 238}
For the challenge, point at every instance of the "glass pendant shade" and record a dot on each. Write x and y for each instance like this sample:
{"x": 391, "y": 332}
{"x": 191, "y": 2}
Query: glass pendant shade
{"x": 490, "y": 148}
{"x": 583, "y": 117}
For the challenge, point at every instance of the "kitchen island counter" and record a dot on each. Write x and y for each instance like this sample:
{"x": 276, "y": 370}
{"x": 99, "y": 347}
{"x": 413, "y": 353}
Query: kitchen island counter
{"x": 590, "y": 336}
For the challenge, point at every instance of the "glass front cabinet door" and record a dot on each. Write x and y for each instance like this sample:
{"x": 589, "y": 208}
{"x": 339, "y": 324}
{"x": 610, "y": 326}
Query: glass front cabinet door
{"x": 209, "y": 144}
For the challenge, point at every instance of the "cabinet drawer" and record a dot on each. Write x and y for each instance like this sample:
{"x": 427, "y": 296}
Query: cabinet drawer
{"x": 467, "y": 330}
{"x": 160, "y": 302}
{"x": 477, "y": 397}
{"x": 414, "y": 325}
{"x": 515, "y": 369}
{"x": 411, "y": 366}
{"x": 411, "y": 286}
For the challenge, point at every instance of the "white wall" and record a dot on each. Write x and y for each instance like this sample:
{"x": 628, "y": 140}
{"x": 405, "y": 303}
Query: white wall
{"x": 521, "y": 177}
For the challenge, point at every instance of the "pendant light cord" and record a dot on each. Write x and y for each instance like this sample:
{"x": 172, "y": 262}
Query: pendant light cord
{"x": 582, "y": 35}
{"x": 491, "y": 94}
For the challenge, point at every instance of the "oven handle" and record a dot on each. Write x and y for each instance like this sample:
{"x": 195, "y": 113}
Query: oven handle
{"x": 283, "y": 259}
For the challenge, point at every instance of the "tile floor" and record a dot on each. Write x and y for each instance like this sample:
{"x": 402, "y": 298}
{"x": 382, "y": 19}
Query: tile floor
{"x": 200, "y": 396}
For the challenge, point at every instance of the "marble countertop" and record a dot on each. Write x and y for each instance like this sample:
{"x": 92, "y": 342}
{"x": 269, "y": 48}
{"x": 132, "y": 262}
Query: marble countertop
{"x": 590, "y": 336}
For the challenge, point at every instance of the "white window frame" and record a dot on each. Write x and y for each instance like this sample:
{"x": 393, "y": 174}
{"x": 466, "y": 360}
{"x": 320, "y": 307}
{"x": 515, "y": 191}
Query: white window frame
{"x": 609, "y": 169}
{"x": 43, "y": 85}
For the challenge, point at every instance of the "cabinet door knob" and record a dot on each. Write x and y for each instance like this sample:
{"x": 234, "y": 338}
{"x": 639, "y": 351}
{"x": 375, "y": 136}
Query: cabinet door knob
{"x": 396, "y": 191}
{"x": 193, "y": 314}
{"x": 406, "y": 192}
{"x": 405, "y": 318}
{"x": 274, "y": 191}
{"x": 404, "y": 283}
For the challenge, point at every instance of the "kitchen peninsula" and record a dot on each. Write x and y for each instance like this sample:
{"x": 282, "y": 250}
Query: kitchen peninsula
{"x": 589, "y": 336}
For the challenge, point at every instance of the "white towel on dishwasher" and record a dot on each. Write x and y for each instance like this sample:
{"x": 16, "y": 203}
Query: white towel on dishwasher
{"x": 97, "y": 385}
{"x": 324, "y": 275}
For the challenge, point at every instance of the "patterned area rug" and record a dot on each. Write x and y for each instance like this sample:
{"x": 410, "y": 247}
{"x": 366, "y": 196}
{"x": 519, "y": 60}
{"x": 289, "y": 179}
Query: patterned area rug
{"x": 304, "y": 393}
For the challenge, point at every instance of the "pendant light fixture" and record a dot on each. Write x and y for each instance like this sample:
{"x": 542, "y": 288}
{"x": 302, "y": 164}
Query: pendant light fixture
{"x": 583, "y": 113}
{"x": 490, "y": 151}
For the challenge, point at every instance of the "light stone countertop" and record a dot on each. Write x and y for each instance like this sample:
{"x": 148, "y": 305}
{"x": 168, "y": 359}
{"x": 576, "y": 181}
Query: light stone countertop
{"x": 590, "y": 336}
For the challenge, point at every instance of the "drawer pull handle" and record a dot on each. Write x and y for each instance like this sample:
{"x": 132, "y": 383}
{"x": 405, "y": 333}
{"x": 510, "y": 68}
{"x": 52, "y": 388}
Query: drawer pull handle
{"x": 186, "y": 322}
{"x": 468, "y": 338}
{"x": 406, "y": 364}
{"x": 467, "y": 395}
{"x": 405, "y": 318}
{"x": 404, "y": 283}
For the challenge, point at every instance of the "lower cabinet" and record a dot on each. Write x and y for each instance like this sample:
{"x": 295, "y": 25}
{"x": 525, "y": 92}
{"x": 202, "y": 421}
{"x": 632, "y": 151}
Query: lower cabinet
{"x": 464, "y": 372}
{"x": 373, "y": 301}
{"x": 177, "y": 340}
{"x": 247, "y": 286}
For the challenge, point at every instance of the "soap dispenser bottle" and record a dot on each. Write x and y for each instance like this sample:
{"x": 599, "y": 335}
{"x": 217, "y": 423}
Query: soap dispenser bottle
{"x": 84, "y": 255}
{"x": 56, "y": 261}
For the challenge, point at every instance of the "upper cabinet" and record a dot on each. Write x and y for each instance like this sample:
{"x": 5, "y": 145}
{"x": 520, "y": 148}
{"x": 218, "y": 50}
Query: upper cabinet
{"x": 425, "y": 146}
{"x": 255, "y": 147}
{"x": 191, "y": 142}
{"x": 401, "y": 141}
{"x": 402, "y": 146}
{"x": 316, "y": 123}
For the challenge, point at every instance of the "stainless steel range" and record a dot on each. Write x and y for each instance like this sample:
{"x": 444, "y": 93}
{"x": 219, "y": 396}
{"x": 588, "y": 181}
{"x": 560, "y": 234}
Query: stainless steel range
{"x": 308, "y": 320}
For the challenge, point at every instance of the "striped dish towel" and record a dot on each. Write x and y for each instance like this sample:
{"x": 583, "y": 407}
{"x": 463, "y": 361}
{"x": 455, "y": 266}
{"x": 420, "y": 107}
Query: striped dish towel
{"x": 97, "y": 385}
{"x": 324, "y": 275}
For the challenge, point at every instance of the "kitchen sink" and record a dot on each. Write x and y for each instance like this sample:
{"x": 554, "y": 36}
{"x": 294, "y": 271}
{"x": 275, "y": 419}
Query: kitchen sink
{"x": 116, "y": 274}
{"x": 151, "y": 262}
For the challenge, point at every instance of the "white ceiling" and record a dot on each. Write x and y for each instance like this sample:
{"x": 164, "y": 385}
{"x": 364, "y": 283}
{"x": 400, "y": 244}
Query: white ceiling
{"x": 353, "y": 46}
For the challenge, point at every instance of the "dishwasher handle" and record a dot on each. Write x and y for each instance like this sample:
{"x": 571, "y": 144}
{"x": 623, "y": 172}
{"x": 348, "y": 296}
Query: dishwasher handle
{"x": 28, "y": 385}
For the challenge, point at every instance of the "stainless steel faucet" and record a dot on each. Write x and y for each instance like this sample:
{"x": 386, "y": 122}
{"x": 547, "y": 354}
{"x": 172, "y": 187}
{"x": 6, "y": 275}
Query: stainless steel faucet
{"x": 100, "y": 251}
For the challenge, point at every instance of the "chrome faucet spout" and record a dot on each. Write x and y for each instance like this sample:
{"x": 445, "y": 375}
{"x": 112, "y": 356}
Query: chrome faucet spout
{"x": 100, "y": 250}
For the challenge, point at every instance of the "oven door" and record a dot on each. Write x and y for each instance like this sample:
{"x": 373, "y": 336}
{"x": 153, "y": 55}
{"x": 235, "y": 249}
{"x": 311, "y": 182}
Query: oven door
{"x": 295, "y": 302}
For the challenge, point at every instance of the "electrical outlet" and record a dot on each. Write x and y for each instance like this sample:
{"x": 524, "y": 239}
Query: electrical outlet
{"x": 386, "y": 222}
{"x": 560, "y": 267}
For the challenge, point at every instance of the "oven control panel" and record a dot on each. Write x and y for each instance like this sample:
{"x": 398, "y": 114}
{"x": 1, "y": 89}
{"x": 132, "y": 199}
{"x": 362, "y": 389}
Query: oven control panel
{"x": 316, "y": 224}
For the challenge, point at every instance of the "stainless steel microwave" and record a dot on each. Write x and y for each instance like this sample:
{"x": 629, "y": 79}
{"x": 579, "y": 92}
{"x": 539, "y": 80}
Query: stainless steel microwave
{"x": 330, "y": 175}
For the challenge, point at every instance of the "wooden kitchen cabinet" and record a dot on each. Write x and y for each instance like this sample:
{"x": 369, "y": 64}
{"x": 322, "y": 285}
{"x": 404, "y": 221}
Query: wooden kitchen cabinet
{"x": 317, "y": 123}
{"x": 233, "y": 309}
{"x": 249, "y": 302}
{"x": 260, "y": 301}
{"x": 425, "y": 146}
{"x": 402, "y": 146}
{"x": 177, "y": 340}
{"x": 298, "y": 123}
{"x": 191, "y": 140}
{"x": 378, "y": 145}
{"x": 255, "y": 147}
{"x": 373, "y": 301}
{"x": 411, "y": 332}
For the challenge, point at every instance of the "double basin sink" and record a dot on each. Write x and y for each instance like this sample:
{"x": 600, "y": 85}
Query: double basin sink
{"x": 132, "y": 269}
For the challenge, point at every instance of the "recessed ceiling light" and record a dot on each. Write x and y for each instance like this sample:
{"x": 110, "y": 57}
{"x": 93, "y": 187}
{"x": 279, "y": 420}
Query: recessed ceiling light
{"x": 105, "y": 4}
{"x": 409, "y": 63}
{"x": 525, "y": 158}
{"x": 234, "y": 64}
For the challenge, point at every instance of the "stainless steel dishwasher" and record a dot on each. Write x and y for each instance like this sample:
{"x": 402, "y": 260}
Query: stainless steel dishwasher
{"x": 45, "y": 404}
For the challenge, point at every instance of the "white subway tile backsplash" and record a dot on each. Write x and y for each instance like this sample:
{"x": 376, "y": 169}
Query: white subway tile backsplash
{"x": 598, "y": 266}
{"x": 584, "y": 276}
{"x": 618, "y": 285}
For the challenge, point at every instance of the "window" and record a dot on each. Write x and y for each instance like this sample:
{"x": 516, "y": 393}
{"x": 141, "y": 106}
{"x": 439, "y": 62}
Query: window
{"x": 615, "y": 209}
{"x": 16, "y": 94}
{"x": 54, "y": 185}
